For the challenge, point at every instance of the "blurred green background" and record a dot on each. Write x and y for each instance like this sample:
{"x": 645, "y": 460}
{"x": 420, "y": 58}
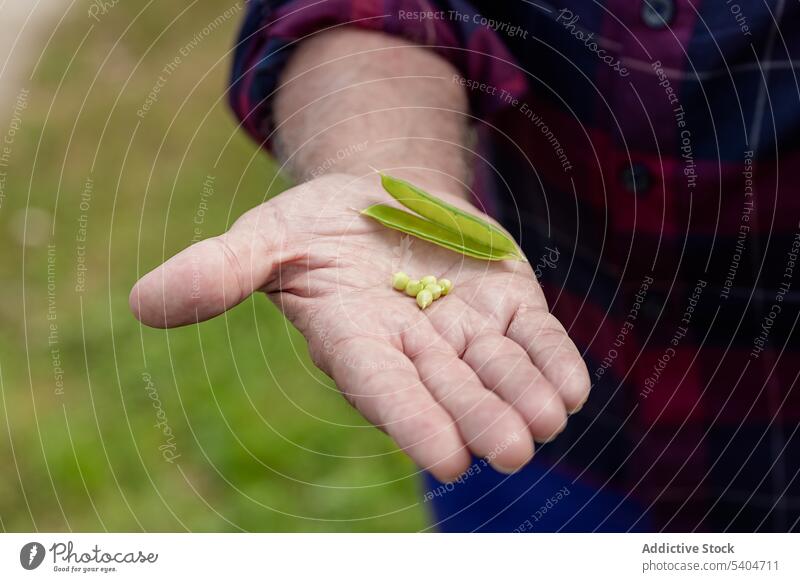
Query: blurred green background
{"x": 265, "y": 442}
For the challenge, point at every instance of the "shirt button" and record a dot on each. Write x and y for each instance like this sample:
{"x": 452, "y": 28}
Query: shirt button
{"x": 658, "y": 13}
{"x": 636, "y": 178}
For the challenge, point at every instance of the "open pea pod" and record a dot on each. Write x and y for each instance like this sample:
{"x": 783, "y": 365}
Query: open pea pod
{"x": 427, "y": 230}
{"x": 468, "y": 226}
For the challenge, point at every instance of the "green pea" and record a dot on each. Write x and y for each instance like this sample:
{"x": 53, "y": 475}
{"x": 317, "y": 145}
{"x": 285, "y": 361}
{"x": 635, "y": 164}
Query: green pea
{"x": 446, "y": 285}
{"x": 435, "y": 289}
{"x": 424, "y": 298}
{"x": 428, "y": 280}
{"x": 400, "y": 280}
{"x": 413, "y": 287}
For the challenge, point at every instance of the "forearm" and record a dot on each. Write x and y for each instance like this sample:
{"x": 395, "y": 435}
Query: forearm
{"x": 352, "y": 100}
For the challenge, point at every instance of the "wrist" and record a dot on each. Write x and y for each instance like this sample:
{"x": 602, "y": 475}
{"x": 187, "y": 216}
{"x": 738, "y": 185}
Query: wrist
{"x": 443, "y": 171}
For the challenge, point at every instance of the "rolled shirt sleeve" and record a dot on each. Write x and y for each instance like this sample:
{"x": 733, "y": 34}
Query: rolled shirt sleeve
{"x": 453, "y": 28}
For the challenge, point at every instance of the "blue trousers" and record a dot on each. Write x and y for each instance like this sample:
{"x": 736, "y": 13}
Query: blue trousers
{"x": 539, "y": 498}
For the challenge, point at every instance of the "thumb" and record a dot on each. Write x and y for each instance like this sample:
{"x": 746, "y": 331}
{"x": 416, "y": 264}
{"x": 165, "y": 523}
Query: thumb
{"x": 210, "y": 276}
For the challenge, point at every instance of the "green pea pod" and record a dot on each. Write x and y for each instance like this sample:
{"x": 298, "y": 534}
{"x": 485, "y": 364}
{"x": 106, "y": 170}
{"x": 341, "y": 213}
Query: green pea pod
{"x": 468, "y": 226}
{"x": 424, "y": 229}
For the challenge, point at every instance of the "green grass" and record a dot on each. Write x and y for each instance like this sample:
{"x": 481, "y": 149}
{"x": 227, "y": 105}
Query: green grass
{"x": 265, "y": 441}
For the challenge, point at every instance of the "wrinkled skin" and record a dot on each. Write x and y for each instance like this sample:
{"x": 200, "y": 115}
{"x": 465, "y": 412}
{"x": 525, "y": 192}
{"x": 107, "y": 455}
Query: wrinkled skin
{"x": 485, "y": 370}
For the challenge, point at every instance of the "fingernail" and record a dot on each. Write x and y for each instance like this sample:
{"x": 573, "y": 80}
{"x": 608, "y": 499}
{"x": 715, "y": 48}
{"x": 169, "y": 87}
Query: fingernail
{"x": 505, "y": 470}
{"x": 510, "y": 470}
{"x": 578, "y": 408}
{"x": 553, "y": 436}
{"x": 550, "y": 439}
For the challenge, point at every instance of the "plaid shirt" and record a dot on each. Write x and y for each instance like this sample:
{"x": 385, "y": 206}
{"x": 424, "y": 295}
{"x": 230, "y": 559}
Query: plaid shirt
{"x": 643, "y": 150}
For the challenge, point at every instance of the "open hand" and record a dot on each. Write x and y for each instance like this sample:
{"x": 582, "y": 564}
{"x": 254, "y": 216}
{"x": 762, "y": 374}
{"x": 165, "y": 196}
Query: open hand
{"x": 485, "y": 369}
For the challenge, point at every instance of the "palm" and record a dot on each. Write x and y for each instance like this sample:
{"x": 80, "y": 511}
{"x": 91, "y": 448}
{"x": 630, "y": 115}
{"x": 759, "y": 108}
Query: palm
{"x": 482, "y": 369}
